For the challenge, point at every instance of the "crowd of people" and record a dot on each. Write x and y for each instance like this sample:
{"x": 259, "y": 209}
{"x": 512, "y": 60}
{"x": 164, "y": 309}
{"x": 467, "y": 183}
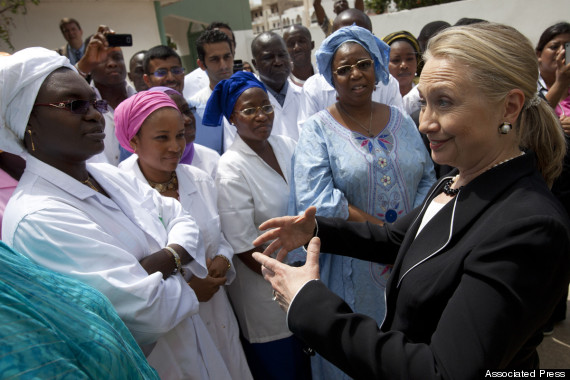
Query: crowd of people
{"x": 171, "y": 226}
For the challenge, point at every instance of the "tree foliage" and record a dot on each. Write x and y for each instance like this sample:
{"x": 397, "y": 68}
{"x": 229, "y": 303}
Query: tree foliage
{"x": 7, "y": 9}
{"x": 380, "y": 6}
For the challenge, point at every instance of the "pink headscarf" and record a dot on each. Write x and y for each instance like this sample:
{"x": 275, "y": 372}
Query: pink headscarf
{"x": 133, "y": 111}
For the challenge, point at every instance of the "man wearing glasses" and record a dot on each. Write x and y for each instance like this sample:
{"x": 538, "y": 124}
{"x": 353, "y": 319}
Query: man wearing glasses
{"x": 163, "y": 67}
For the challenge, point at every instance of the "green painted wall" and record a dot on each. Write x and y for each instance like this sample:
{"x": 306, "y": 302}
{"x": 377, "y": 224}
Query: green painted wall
{"x": 236, "y": 13}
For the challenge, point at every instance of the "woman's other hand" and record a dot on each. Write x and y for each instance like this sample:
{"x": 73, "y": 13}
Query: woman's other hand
{"x": 289, "y": 232}
{"x": 218, "y": 267}
{"x": 286, "y": 280}
{"x": 205, "y": 288}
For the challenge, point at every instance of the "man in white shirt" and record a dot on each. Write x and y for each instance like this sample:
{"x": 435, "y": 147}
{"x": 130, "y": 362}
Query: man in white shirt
{"x": 163, "y": 67}
{"x": 318, "y": 94}
{"x": 299, "y": 44}
{"x": 109, "y": 79}
{"x": 216, "y": 59}
{"x": 198, "y": 79}
{"x": 273, "y": 63}
{"x": 136, "y": 71}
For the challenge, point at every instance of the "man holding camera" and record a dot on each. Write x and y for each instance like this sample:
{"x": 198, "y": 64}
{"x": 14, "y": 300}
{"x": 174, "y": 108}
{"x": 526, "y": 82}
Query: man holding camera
{"x": 106, "y": 66}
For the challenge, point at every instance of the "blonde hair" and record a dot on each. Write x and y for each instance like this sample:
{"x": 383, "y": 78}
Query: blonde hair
{"x": 501, "y": 59}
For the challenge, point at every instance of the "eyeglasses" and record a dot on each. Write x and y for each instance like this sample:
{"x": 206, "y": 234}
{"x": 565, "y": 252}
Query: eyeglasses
{"x": 161, "y": 73}
{"x": 266, "y": 109}
{"x": 79, "y": 106}
{"x": 362, "y": 65}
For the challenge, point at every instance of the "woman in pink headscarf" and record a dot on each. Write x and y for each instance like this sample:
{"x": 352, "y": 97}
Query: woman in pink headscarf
{"x": 150, "y": 126}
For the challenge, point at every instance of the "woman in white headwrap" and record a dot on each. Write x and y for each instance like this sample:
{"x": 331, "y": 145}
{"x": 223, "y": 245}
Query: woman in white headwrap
{"x": 96, "y": 223}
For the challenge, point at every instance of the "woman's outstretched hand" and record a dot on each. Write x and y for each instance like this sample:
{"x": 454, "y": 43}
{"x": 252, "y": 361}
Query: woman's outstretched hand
{"x": 289, "y": 232}
{"x": 286, "y": 280}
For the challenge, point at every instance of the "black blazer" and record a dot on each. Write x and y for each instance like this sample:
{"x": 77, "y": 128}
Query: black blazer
{"x": 469, "y": 293}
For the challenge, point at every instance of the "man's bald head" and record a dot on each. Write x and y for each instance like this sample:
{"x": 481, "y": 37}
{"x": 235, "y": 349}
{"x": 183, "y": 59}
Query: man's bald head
{"x": 352, "y": 16}
{"x": 296, "y": 28}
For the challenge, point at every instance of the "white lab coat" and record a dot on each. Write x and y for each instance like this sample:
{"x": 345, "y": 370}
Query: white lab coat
{"x": 249, "y": 193}
{"x": 70, "y": 228}
{"x": 196, "y": 80}
{"x": 111, "y": 153}
{"x": 412, "y": 100}
{"x": 285, "y": 121}
{"x": 318, "y": 94}
{"x": 206, "y": 159}
{"x": 198, "y": 196}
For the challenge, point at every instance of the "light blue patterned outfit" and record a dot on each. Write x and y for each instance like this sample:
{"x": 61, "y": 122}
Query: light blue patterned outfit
{"x": 386, "y": 176}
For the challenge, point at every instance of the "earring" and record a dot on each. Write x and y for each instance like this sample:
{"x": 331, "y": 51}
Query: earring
{"x": 31, "y": 140}
{"x": 505, "y": 128}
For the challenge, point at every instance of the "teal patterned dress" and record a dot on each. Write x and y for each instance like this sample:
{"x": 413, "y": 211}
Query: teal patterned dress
{"x": 55, "y": 327}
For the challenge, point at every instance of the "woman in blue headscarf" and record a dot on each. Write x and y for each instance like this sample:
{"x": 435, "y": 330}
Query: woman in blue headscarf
{"x": 253, "y": 185}
{"x": 358, "y": 160}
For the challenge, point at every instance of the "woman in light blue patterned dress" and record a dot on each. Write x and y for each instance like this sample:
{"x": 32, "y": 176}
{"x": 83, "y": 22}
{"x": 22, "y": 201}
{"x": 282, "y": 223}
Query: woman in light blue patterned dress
{"x": 358, "y": 160}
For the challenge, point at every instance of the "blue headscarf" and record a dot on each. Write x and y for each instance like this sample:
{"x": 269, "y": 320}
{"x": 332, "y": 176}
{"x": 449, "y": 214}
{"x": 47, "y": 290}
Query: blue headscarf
{"x": 225, "y": 96}
{"x": 378, "y": 50}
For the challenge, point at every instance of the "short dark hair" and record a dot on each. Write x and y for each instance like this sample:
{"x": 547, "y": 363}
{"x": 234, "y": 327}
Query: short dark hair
{"x": 430, "y": 29}
{"x": 211, "y": 37}
{"x": 218, "y": 25}
{"x": 137, "y": 53}
{"x": 158, "y": 52}
{"x": 468, "y": 21}
{"x": 69, "y": 20}
{"x": 263, "y": 38}
{"x": 550, "y": 33}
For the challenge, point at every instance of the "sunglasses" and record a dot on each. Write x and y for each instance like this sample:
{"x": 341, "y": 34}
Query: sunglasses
{"x": 362, "y": 65}
{"x": 79, "y": 106}
{"x": 161, "y": 73}
{"x": 266, "y": 109}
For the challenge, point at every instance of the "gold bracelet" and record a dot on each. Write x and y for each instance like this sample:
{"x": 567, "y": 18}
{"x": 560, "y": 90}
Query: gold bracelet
{"x": 177, "y": 260}
{"x": 225, "y": 258}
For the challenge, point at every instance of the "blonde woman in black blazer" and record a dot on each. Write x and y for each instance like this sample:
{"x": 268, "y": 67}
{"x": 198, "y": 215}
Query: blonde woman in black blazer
{"x": 479, "y": 267}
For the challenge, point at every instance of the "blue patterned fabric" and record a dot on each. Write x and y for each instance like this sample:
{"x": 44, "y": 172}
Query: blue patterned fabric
{"x": 386, "y": 176}
{"x": 54, "y": 327}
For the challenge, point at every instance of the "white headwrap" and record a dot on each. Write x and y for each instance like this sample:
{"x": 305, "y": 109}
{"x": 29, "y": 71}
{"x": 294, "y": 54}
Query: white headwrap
{"x": 21, "y": 76}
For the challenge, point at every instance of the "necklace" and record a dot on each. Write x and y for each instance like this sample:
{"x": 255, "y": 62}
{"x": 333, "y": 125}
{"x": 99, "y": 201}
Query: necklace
{"x": 171, "y": 184}
{"x": 89, "y": 183}
{"x": 447, "y": 187}
{"x": 357, "y": 122}
{"x": 448, "y": 182}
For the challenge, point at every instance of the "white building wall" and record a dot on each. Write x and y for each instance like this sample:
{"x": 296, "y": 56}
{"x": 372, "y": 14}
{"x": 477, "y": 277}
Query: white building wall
{"x": 40, "y": 26}
{"x": 530, "y": 17}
